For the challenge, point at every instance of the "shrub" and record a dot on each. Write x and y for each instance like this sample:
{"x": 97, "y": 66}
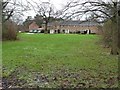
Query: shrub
{"x": 107, "y": 33}
{"x": 9, "y": 31}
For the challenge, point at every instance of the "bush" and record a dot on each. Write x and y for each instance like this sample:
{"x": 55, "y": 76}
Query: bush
{"x": 9, "y": 31}
{"x": 107, "y": 33}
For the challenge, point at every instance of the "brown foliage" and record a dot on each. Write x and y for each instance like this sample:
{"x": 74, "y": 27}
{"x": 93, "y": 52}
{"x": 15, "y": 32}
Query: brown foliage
{"x": 107, "y": 33}
{"x": 9, "y": 31}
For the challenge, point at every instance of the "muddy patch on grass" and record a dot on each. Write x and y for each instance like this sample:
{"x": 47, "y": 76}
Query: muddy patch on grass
{"x": 60, "y": 78}
{"x": 12, "y": 80}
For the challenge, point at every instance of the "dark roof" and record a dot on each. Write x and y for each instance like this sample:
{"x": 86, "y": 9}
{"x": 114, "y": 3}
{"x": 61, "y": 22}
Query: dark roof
{"x": 81, "y": 23}
{"x": 71, "y": 22}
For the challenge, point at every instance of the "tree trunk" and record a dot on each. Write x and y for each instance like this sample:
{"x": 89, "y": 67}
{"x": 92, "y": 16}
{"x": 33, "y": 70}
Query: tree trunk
{"x": 119, "y": 35}
{"x": 114, "y": 49}
{"x": 46, "y": 31}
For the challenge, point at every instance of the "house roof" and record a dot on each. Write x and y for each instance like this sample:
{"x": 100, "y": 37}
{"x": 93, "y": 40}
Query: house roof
{"x": 80, "y": 23}
{"x": 70, "y": 22}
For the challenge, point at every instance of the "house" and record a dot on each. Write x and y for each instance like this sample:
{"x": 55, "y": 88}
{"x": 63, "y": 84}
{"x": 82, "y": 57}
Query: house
{"x": 66, "y": 27}
{"x": 33, "y": 27}
{"x": 74, "y": 27}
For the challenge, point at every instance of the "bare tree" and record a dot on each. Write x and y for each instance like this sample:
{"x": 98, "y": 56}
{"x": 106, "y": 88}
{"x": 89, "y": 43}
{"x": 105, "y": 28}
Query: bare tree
{"x": 6, "y": 13}
{"x": 100, "y": 10}
{"x": 44, "y": 9}
{"x": 11, "y": 9}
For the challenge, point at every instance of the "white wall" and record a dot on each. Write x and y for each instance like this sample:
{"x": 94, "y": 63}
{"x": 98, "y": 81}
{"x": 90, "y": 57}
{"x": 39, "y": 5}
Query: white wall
{"x": 51, "y": 31}
{"x": 67, "y": 31}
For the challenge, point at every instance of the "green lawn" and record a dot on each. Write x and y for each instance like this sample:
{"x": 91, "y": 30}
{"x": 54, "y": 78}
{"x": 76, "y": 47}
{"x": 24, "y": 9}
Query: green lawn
{"x": 59, "y": 60}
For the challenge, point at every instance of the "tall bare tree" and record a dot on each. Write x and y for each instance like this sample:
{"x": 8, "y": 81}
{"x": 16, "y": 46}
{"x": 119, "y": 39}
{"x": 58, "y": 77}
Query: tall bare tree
{"x": 46, "y": 10}
{"x": 14, "y": 9}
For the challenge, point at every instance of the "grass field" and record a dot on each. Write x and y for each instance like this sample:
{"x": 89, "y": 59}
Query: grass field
{"x": 58, "y": 60}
